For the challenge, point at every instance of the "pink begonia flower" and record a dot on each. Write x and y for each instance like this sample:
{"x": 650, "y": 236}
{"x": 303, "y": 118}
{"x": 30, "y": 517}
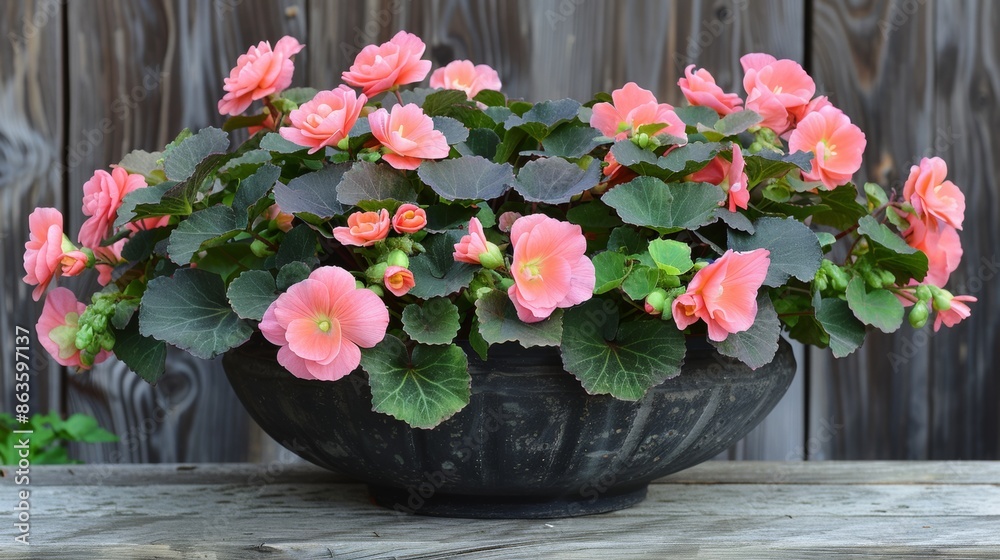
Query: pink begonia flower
{"x": 320, "y": 323}
{"x": 363, "y": 229}
{"x": 775, "y": 88}
{"x": 324, "y": 120}
{"x": 102, "y": 196}
{"x": 724, "y": 294}
{"x": 633, "y": 108}
{"x": 397, "y": 62}
{"x": 550, "y": 268}
{"x": 730, "y": 176}
{"x": 837, "y": 146}
{"x": 471, "y": 246}
{"x": 107, "y": 259}
{"x": 73, "y": 262}
{"x": 936, "y": 200}
{"x": 800, "y": 112}
{"x": 700, "y": 89}
{"x": 506, "y": 221}
{"x": 409, "y": 218}
{"x": 57, "y": 327}
{"x": 44, "y": 249}
{"x": 959, "y": 310}
{"x": 408, "y": 135}
{"x": 259, "y": 73}
{"x": 283, "y": 220}
{"x": 398, "y": 280}
{"x": 465, "y": 76}
{"x": 941, "y": 244}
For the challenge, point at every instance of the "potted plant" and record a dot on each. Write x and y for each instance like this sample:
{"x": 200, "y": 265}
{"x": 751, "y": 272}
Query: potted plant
{"x": 489, "y": 307}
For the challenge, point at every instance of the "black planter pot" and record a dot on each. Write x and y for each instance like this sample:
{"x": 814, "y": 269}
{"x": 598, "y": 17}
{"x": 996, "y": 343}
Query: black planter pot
{"x": 531, "y": 444}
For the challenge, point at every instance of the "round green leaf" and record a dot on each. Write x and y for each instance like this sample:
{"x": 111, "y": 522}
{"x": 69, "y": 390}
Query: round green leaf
{"x": 878, "y": 308}
{"x": 497, "y": 323}
{"x": 434, "y": 321}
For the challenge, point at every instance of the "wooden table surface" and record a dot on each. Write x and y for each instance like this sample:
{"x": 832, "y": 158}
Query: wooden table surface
{"x": 716, "y": 510}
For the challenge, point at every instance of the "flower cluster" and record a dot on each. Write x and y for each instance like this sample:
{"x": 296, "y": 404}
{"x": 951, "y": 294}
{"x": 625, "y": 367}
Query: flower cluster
{"x": 374, "y": 225}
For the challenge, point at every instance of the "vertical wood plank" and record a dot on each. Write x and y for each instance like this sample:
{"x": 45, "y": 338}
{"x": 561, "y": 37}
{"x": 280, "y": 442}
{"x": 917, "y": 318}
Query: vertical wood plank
{"x": 31, "y": 136}
{"x": 571, "y": 48}
{"x": 920, "y": 78}
{"x": 145, "y": 70}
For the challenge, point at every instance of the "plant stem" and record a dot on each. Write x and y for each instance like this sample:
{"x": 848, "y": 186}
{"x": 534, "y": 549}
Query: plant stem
{"x": 398, "y": 97}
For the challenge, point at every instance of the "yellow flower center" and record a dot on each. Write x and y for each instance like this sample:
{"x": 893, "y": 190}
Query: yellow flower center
{"x": 532, "y": 270}
{"x": 324, "y": 325}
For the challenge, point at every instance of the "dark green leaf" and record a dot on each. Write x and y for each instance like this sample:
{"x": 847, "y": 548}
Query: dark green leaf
{"x": 878, "y": 308}
{"x": 498, "y": 323}
{"x": 454, "y": 131}
{"x": 251, "y": 293}
{"x": 626, "y": 240}
{"x": 767, "y": 164}
{"x": 641, "y": 355}
{"x": 687, "y": 159}
{"x": 694, "y": 115}
{"x": 757, "y": 345}
{"x": 434, "y": 321}
{"x": 610, "y": 269}
{"x": 649, "y": 202}
{"x": 640, "y": 282}
{"x": 212, "y": 223}
{"x": 554, "y": 180}
{"x": 299, "y": 244}
{"x": 467, "y": 178}
{"x": 481, "y": 142}
{"x": 144, "y": 163}
{"x": 544, "y": 116}
{"x": 275, "y": 143}
{"x": 891, "y": 252}
{"x": 243, "y": 121}
{"x": 846, "y": 332}
{"x": 844, "y": 208}
{"x": 735, "y": 123}
{"x": 291, "y": 274}
{"x": 299, "y": 95}
{"x": 442, "y": 217}
{"x": 149, "y": 196}
{"x": 672, "y": 257}
{"x": 593, "y": 215}
{"x": 371, "y": 181}
{"x": 572, "y": 141}
{"x": 313, "y": 193}
{"x": 180, "y": 161}
{"x": 440, "y": 102}
{"x": 435, "y": 272}
{"x": 423, "y": 390}
{"x": 142, "y": 243}
{"x": 144, "y": 355}
{"x": 190, "y": 310}
{"x": 252, "y": 190}
{"x": 491, "y": 98}
{"x": 794, "y": 248}
{"x": 735, "y": 220}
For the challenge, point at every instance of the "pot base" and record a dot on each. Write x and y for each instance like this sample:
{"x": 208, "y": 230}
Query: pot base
{"x": 502, "y": 507}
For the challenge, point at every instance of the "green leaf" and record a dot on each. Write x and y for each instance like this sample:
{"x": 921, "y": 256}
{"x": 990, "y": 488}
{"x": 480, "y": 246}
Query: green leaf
{"x": 624, "y": 361}
{"x": 251, "y": 293}
{"x": 876, "y": 195}
{"x": 767, "y": 164}
{"x": 440, "y": 102}
{"x": 313, "y": 193}
{"x": 735, "y": 220}
{"x": 371, "y": 181}
{"x": 649, "y": 202}
{"x": 846, "y": 332}
{"x": 687, "y": 159}
{"x": 83, "y": 428}
{"x": 572, "y": 141}
{"x": 144, "y": 163}
{"x": 467, "y": 178}
{"x": 593, "y": 215}
{"x": 878, "y": 308}
{"x": 145, "y": 356}
{"x": 454, "y": 131}
{"x": 142, "y": 244}
{"x": 640, "y": 282}
{"x": 442, "y": 217}
{"x": 491, "y": 98}
{"x": 844, "y": 208}
{"x": 180, "y": 161}
{"x": 611, "y": 269}
{"x": 554, "y": 180}
{"x": 147, "y": 197}
{"x": 275, "y": 143}
{"x": 498, "y": 323}
{"x": 672, "y": 257}
{"x": 544, "y": 116}
{"x": 757, "y": 345}
{"x": 190, "y": 310}
{"x": 243, "y": 166}
{"x": 423, "y": 390}
{"x": 735, "y": 123}
{"x": 434, "y": 321}
{"x": 643, "y": 162}
{"x": 212, "y": 223}
{"x": 476, "y": 340}
{"x": 299, "y": 95}
{"x": 694, "y": 115}
{"x": 291, "y": 274}
{"x": 299, "y": 244}
{"x": 243, "y": 121}
{"x": 435, "y": 272}
{"x": 481, "y": 142}
{"x": 252, "y": 190}
{"x": 891, "y": 252}
{"x": 626, "y": 240}
{"x": 794, "y": 248}
{"x": 512, "y": 139}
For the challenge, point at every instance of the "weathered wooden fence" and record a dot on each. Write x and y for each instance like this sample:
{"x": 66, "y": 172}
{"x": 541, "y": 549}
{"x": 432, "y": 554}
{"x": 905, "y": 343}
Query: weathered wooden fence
{"x": 84, "y": 82}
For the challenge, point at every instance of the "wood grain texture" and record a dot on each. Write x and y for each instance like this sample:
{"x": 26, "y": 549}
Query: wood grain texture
{"x": 31, "y": 136}
{"x": 150, "y": 69}
{"x": 563, "y": 48}
{"x": 715, "y": 510}
{"x": 921, "y": 79}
